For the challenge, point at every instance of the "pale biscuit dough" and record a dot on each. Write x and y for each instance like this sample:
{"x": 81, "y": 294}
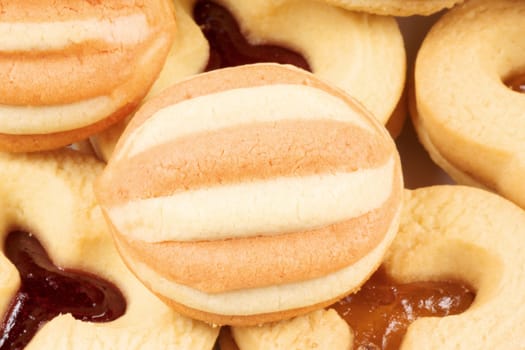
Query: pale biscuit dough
{"x": 469, "y": 121}
{"x": 318, "y": 330}
{"x": 322, "y": 243}
{"x": 446, "y": 233}
{"x": 50, "y": 195}
{"x": 88, "y": 72}
{"x": 397, "y": 7}
{"x": 348, "y": 50}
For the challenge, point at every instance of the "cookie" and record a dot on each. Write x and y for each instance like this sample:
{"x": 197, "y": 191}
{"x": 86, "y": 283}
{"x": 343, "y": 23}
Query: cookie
{"x": 320, "y": 329}
{"x": 92, "y": 67}
{"x": 69, "y": 288}
{"x": 464, "y": 110}
{"x": 397, "y": 7}
{"x": 258, "y": 182}
{"x": 470, "y": 235}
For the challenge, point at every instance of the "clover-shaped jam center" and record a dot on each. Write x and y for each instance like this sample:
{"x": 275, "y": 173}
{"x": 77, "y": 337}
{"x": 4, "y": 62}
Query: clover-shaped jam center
{"x": 381, "y": 311}
{"x": 229, "y": 47}
{"x": 47, "y": 291}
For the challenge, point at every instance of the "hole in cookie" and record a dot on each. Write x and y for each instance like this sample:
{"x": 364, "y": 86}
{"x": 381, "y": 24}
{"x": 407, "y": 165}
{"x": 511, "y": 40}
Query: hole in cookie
{"x": 228, "y": 46}
{"x": 516, "y": 82}
{"x": 381, "y": 311}
{"x": 47, "y": 291}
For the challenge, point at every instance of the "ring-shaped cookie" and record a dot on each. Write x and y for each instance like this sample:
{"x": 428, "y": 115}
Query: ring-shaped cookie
{"x": 396, "y": 7}
{"x": 69, "y": 69}
{"x": 471, "y": 235}
{"x": 347, "y": 49}
{"x": 50, "y": 195}
{"x": 466, "y": 117}
{"x": 446, "y": 233}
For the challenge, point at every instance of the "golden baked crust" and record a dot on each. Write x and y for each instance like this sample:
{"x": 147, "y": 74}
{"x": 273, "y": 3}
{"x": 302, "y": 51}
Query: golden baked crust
{"x": 51, "y": 196}
{"x": 462, "y": 108}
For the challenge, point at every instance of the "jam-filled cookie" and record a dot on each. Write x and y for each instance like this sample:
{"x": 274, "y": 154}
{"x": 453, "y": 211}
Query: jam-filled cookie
{"x": 397, "y": 7}
{"x": 345, "y": 48}
{"x": 458, "y": 255}
{"x": 252, "y": 193}
{"x": 69, "y": 69}
{"x": 467, "y": 108}
{"x": 62, "y": 283}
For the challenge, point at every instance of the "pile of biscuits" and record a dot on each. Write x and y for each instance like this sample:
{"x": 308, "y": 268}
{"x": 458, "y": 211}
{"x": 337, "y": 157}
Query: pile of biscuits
{"x": 233, "y": 175}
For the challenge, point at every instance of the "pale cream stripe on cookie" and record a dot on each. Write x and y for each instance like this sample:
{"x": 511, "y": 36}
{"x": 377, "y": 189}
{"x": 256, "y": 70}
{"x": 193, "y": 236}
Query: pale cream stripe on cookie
{"x": 233, "y": 107}
{"x": 18, "y": 120}
{"x": 276, "y": 298}
{"x": 43, "y": 36}
{"x": 278, "y": 205}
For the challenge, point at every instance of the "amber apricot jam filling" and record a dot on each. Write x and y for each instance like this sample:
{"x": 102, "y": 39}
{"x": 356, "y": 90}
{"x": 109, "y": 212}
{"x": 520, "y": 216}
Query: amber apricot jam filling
{"x": 229, "y": 47}
{"x": 516, "y": 82}
{"x": 381, "y": 311}
{"x": 47, "y": 291}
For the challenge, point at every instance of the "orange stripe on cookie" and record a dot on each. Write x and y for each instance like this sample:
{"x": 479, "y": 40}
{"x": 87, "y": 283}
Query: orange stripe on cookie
{"x": 53, "y": 11}
{"x": 256, "y": 151}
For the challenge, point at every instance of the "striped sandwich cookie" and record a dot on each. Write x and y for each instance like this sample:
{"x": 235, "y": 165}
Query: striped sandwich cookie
{"x": 252, "y": 194}
{"x": 69, "y": 69}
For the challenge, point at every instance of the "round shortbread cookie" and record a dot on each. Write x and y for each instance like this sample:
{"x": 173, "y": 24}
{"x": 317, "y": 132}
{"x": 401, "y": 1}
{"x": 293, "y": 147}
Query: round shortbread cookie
{"x": 69, "y": 69}
{"x": 466, "y": 117}
{"x": 226, "y": 171}
{"x": 50, "y": 195}
{"x": 347, "y": 49}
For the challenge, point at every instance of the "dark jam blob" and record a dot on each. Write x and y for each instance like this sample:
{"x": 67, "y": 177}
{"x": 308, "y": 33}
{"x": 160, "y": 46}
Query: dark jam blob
{"x": 225, "y": 340}
{"x": 47, "y": 291}
{"x": 516, "y": 83}
{"x": 382, "y": 310}
{"x": 228, "y": 46}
